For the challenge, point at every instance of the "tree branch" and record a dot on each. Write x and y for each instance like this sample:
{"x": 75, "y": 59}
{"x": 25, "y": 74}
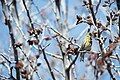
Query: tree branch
{"x": 118, "y": 5}
{"x": 97, "y": 7}
{"x": 109, "y": 70}
{"x": 51, "y": 71}
{"x": 8, "y": 22}
{"x": 28, "y": 14}
{"x": 14, "y": 48}
{"x": 92, "y": 12}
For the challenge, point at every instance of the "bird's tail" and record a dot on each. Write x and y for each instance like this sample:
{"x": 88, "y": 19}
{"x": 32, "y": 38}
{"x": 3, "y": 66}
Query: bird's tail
{"x": 82, "y": 56}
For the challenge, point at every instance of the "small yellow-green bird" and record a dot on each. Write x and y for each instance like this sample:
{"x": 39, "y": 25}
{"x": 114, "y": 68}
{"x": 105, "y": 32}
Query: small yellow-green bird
{"x": 86, "y": 45}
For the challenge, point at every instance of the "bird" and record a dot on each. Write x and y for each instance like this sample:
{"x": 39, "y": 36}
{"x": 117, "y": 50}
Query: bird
{"x": 86, "y": 45}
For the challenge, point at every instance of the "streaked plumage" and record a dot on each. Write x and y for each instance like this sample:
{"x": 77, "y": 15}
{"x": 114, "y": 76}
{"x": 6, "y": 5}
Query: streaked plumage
{"x": 86, "y": 45}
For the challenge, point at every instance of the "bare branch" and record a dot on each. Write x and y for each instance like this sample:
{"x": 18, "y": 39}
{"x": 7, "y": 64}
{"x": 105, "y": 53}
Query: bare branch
{"x": 92, "y": 12}
{"x": 51, "y": 71}
{"x": 97, "y": 7}
{"x": 8, "y": 22}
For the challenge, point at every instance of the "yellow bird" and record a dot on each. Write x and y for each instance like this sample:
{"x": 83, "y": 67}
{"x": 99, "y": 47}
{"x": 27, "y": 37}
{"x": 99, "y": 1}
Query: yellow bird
{"x": 86, "y": 45}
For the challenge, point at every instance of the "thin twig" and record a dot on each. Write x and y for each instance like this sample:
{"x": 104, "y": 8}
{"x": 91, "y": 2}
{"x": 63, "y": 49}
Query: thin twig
{"x": 15, "y": 6}
{"x": 53, "y": 55}
{"x": 6, "y": 58}
{"x": 28, "y": 14}
{"x": 63, "y": 37}
{"x": 63, "y": 54}
{"x": 92, "y": 12}
{"x": 118, "y": 5}
{"x": 73, "y": 62}
{"x": 97, "y": 7}
{"x": 63, "y": 60}
{"x": 30, "y": 62}
{"x": 51, "y": 71}
{"x": 115, "y": 68}
{"x": 109, "y": 71}
{"x": 59, "y": 72}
